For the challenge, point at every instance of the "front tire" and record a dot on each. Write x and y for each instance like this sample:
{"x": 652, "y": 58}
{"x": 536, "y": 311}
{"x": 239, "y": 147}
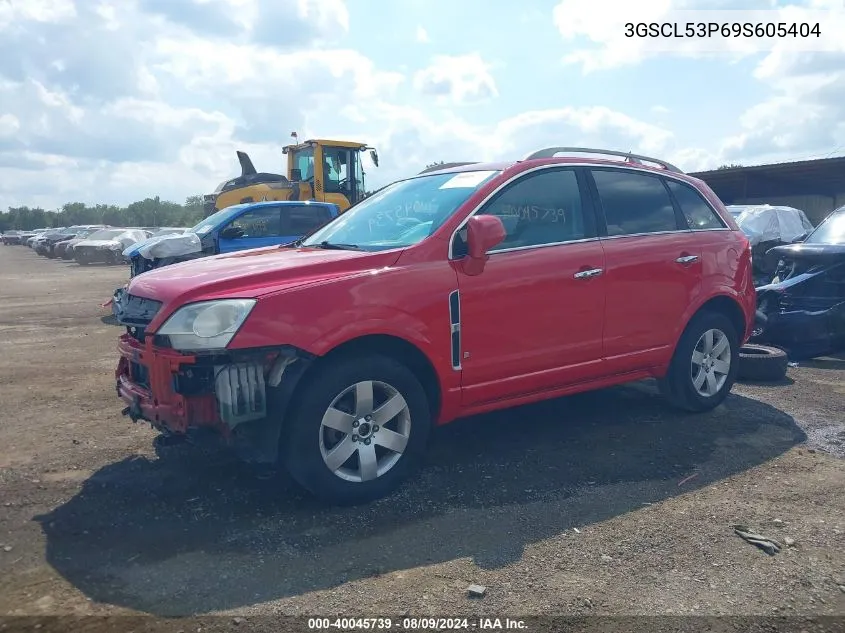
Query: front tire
{"x": 357, "y": 430}
{"x": 704, "y": 367}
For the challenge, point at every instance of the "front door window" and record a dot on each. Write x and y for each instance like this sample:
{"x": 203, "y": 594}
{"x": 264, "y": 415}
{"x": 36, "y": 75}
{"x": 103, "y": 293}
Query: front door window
{"x": 261, "y": 222}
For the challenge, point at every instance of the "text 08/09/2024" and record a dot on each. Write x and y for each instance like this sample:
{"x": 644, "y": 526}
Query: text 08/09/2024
{"x": 722, "y": 29}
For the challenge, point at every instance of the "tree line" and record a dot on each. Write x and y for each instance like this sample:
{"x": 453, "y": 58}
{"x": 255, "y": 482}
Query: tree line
{"x": 147, "y": 212}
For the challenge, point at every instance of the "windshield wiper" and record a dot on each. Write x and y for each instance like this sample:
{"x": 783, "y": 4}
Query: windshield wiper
{"x": 337, "y": 246}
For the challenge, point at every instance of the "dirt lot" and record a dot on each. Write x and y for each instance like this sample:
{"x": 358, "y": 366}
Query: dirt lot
{"x": 606, "y": 503}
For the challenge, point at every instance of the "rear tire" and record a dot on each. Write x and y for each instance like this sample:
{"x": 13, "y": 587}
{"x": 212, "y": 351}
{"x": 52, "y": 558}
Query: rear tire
{"x": 762, "y": 363}
{"x": 705, "y": 364}
{"x": 387, "y": 406}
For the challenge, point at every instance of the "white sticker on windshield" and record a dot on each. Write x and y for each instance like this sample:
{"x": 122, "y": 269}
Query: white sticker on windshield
{"x": 467, "y": 179}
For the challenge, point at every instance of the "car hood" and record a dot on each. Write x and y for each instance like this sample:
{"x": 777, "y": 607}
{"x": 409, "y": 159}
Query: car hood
{"x": 819, "y": 253}
{"x": 171, "y": 245}
{"x": 253, "y": 273}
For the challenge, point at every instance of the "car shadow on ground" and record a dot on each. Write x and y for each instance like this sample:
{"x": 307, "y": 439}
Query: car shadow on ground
{"x": 193, "y": 532}
{"x": 786, "y": 381}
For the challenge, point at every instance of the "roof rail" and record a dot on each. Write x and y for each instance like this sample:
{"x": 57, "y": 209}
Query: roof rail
{"x": 549, "y": 152}
{"x": 445, "y": 166}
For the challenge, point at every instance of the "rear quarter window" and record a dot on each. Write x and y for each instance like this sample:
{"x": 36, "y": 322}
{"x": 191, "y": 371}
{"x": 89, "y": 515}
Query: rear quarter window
{"x": 695, "y": 209}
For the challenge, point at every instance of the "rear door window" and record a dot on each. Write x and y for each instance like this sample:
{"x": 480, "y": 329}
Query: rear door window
{"x": 634, "y": 203}
{"x": 303, "y": 219}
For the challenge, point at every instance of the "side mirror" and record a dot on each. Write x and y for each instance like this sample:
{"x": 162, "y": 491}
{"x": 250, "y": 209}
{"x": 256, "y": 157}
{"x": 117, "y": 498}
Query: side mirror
{"x": 374, "y": 156}
{"x": 231, "y": 233}
{"x": 483, "y": 233}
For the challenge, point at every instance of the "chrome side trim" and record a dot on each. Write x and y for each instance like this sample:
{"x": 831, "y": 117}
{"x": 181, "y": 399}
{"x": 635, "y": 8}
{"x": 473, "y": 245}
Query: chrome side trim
{"x": 628, "y": 167}
{"x": 455, "y": 328}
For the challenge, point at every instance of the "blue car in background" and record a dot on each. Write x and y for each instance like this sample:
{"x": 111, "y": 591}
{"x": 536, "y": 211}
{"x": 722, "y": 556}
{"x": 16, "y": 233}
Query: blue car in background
{"x": 235, "y": 228}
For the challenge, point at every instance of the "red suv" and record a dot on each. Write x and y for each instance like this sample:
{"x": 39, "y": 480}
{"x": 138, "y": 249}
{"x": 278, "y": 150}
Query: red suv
{"x": 454, "y": 292}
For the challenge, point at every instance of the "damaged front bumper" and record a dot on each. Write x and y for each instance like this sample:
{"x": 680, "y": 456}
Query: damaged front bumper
{"x": 240, "y": 396}
{"x": 804, "y": 331}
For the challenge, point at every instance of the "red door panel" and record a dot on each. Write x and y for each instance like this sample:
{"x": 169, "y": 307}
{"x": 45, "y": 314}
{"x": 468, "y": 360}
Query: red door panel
{"x": 651, "y": 280}
{"x": 529, "y": 324}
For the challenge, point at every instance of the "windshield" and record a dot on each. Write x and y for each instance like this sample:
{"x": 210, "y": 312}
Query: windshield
{"x": 107, "y": 234}
{"x": 830, "y": 231}
{"x": 215, "y": 219}
{"x": 167, "y": 232}
{"x": 401, "y": 214}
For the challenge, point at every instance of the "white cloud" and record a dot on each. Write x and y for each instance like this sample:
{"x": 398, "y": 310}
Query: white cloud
{"x": 12, "y": 11}
{"x": 185, "y": 84}
{"x": 802, "y": 80}
{"x": 9, "y": 125}
{"x": 422, "y": 35}
{"x": 457, "y": 78}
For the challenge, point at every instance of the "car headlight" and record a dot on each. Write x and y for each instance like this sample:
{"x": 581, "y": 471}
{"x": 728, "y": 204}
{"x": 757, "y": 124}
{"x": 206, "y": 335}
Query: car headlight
{"x": 207, "y": 324}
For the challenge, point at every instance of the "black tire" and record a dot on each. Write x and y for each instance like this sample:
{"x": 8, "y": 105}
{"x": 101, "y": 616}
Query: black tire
{"x": 677, "y": 386}
{"x": 299, "y": 446}
{"x": 761, "y": 363}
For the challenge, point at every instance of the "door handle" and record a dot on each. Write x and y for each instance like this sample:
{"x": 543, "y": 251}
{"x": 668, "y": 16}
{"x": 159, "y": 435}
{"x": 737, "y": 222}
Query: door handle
{"x": 586, "y": 274}
{"x": 687, "y": 259}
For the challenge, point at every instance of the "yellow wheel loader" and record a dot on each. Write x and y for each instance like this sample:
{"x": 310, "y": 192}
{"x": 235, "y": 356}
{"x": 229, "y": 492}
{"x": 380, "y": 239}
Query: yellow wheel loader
{"x": 327, "y": 171}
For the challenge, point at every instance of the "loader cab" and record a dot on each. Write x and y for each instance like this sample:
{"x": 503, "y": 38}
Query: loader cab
{"x": 332, "y": 170}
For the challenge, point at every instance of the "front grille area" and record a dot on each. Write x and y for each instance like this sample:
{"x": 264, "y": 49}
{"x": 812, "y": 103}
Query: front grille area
{"x": 139, "y": 265}
{"x": 135, "y": 313}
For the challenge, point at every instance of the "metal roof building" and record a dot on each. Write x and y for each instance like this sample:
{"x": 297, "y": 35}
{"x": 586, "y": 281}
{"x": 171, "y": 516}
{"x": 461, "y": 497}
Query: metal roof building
{"x": 817, "y": 187}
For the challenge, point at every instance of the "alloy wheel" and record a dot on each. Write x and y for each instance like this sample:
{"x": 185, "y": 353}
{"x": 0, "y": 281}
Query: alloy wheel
{"x": 365, "y": 431}
{"x": 711, "y": 362}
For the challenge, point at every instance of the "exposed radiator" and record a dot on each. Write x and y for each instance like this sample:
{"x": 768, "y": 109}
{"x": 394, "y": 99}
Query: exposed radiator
{"x": 240, "y": 391}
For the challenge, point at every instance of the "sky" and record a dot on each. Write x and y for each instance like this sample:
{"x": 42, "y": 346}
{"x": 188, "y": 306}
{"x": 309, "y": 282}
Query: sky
{"x": 111, "y": 101}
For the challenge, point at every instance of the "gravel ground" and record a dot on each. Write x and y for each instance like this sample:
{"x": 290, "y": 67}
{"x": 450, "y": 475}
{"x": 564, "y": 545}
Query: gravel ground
{"x": 603, "y": 503}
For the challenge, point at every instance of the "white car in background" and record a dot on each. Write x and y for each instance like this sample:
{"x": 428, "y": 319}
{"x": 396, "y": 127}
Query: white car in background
{"x": 767, "y": 226}
{"x": 107, "y": 245}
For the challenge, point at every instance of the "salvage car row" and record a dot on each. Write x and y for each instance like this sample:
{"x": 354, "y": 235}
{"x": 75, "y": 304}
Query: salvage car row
{"x": 87, "y": 244}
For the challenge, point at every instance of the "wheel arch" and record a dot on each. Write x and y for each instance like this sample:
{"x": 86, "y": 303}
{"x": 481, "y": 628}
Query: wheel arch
{"x": 729, "y": 307}
{"x": 721, "y": 304}
{"x": 396, "y": 348}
